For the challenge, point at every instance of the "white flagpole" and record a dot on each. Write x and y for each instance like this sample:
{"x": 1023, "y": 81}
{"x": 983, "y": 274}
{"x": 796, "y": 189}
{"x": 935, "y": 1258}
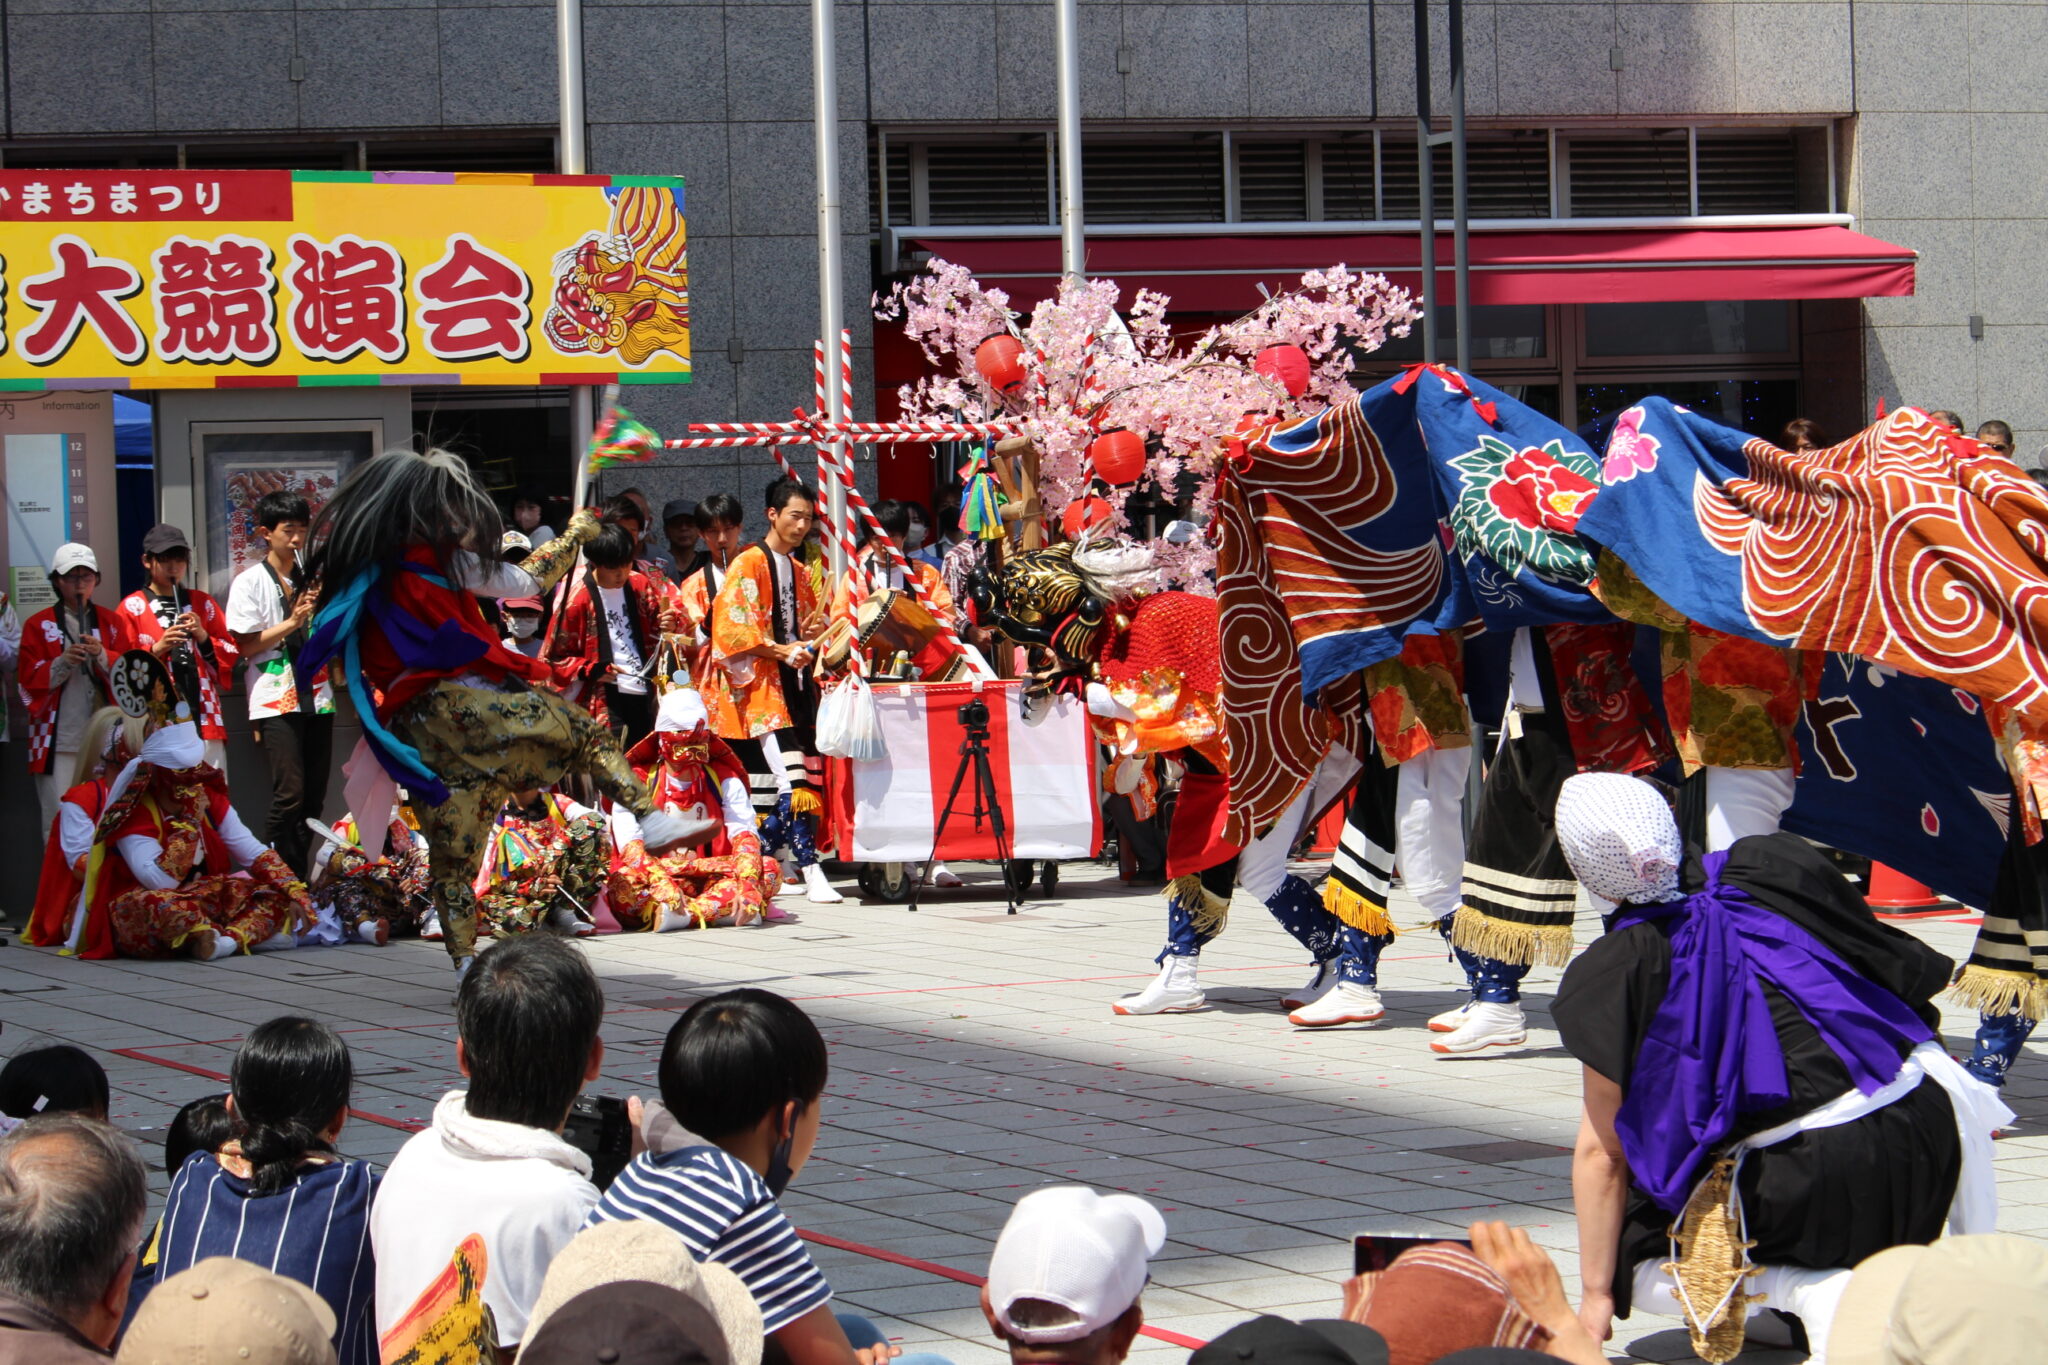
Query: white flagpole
{"x": 825, "y": 88}
{"x": 1067, "y": 56}
{"x": 570, "y": 152}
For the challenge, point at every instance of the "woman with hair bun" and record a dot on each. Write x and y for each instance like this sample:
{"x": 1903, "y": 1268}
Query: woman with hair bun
{"x": 280, "y": 1195}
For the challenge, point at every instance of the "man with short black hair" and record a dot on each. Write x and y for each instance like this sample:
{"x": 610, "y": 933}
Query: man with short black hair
{"x": 603, "y": 652}
{"x": 72, "y": 1198}
{"x": 187, "y": 630}
{"x": 765, "y": 623}
{"x": 491, "y": 1191}
{"x": 270, "y": 606}
{"x": 1996, "y": 437}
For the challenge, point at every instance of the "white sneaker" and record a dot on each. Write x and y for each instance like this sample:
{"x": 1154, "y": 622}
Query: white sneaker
{"x": 1488, "y": 1025}
{"x": 277, "y": 942}
{"x": 430, "y": 927}
{"x": 1347, "y": 1002}
{"x": 945, "y": 876}
{"x": 817, "y": 890}
{"x": 789, "y": 887}
{"x": 1450, "y": 1021}
{"x": 565, "y": 921}
{"x": 1324, "y": 978}
{"x": 376, "y": 932}
{"x": 1174, "y": 991}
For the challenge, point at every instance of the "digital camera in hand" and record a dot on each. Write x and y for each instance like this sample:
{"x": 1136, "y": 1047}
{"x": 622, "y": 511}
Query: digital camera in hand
{"x": 599, "y": 1128}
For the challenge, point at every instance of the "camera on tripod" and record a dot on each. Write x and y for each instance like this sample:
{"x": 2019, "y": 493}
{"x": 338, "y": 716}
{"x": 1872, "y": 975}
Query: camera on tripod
{"x": 974, "y": 715}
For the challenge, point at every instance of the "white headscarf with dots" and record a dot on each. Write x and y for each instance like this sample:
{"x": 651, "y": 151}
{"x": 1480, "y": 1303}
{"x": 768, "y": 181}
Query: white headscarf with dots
{"x": 1618, "y": 835}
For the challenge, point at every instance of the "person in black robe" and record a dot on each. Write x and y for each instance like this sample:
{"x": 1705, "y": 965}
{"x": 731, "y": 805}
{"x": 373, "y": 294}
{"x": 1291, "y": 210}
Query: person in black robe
{"x": 1659, "y": 1012}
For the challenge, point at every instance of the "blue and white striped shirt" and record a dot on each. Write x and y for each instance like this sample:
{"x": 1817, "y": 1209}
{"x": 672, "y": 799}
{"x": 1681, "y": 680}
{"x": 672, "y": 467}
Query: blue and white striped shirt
{"x": 723, "y": 1212}
{"x": 315, "y": 1230}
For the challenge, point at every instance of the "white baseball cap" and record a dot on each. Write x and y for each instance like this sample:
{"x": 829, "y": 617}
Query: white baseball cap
{"x": 1079, "y": 1250}
{"x": 71, "y": 555}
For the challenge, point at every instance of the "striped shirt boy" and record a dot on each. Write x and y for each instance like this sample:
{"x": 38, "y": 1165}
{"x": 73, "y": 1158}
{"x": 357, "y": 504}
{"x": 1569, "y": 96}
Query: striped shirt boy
{"x": 316, "y": 1230}
{"x": 723, "y": 1212}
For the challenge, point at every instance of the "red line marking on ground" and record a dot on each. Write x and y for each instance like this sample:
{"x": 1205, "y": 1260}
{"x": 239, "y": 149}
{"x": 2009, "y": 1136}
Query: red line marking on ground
{"x": 821, "y": 1238}
{"x": 137, "y": 1054}
{"x": 960, "y": 1277}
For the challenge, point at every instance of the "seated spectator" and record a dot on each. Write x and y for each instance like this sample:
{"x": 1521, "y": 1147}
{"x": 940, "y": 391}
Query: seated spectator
{"x": 280, "y": 1195}
{"x": 225, "y": 1311}
{"x": 61, "y": 1079}
{"x": 610, "y": 1253}
{"x": 743, "y": 1071}
{"x": 72, "y": 1197}
{"x": 474, "y": 1208}
{"x": 202, "y": 1125}
{"x": 1962, "y": 1301}
{"x": 1269, "y": 1340}
{"x": 1443, "y": 1298}
{"x": 1711, "y": 1025}
{"x": 630, "y": 1322}
{"x": 1064, "y": 1279}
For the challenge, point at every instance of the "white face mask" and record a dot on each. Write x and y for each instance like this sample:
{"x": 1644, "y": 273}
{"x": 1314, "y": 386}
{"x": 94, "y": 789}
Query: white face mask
{"x": 523, "y": 627}
{"x": 916, "y": 534}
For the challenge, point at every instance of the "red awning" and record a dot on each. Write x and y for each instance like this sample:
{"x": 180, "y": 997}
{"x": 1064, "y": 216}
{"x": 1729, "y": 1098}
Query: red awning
{"x": 1220, "y": 272}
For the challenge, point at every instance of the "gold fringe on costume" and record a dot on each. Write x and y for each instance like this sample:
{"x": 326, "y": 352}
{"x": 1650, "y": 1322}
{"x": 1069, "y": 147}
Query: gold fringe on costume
{"x": 1357, "y": 911}
{"x": 804, "y": 801}
{"x": 1712, "y": 1263}
{"x": 1209, "y": 911}
{"x": 1989, "y": 990}
{"x": 1520, "y": 945}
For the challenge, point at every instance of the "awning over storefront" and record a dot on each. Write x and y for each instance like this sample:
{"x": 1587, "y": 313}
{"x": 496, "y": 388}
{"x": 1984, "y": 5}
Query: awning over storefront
{"x": 1221, "y": 271}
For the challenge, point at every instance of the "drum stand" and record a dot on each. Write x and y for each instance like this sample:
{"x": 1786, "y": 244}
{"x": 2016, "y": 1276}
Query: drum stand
{"x": 973, "y": 758}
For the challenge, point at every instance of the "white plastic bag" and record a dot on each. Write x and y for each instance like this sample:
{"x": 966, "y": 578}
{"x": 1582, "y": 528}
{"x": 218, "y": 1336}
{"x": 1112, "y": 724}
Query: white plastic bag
{"x": 847, "y": 724}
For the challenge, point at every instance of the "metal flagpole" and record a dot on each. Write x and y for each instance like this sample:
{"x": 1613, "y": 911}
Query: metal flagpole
{"x": 569, "y": 143}
{"x": 1461, "y": 243}
{"x": 1425, "y": 174}
{"x": 825, "y": 91}
{"x": 1067, "y": 56}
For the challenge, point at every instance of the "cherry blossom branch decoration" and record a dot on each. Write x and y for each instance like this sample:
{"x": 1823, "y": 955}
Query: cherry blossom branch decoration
{"x": 1086, "y": 369}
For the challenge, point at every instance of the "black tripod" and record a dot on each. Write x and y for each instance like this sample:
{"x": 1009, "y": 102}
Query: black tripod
{"x": 974, "y": 758}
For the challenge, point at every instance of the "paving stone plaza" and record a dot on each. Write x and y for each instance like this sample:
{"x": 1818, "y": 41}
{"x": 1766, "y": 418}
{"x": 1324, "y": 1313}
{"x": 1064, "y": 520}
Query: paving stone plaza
{"x": 974, "y": 1057}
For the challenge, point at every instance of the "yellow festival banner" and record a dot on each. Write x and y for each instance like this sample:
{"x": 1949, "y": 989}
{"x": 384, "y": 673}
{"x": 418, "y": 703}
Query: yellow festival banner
{"x": 260, "y": 279}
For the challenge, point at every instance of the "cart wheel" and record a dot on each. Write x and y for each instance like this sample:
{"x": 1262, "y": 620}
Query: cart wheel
{"x": 1050, "y": 878}
{"x": 885, "y": 881}
{"x": 1017, "y": 877}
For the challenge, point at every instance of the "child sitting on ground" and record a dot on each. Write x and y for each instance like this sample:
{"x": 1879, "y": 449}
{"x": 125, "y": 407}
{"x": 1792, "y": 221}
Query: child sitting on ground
{"x": 280, "y": 1195}
{"x": 203, "y": 1125}
{"x": 744, "y": 1071}
{"x": 52, "y": 1080}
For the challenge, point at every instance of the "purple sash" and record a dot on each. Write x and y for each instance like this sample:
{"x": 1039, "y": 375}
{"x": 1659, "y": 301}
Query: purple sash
{"x": 1712, "y": 1053}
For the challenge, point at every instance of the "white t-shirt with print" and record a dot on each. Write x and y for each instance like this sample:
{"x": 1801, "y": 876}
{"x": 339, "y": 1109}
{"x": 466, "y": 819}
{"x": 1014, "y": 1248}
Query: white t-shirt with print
{"x": 254, "y": 606}
{"x": 618, "y": 622}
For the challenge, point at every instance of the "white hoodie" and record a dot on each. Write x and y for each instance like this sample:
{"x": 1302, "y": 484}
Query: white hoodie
{"x": 522, "y": 1190}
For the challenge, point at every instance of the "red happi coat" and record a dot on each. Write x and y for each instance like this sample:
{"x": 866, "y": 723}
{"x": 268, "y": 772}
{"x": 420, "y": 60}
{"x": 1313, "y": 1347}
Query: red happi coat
{"x": 143, "y": 630}
{"x": 42, "y": 640}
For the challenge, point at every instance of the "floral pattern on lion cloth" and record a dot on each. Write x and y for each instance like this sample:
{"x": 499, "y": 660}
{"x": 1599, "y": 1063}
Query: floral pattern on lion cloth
{"x": 721, "y": 879}
{"x": 363, "y": 886}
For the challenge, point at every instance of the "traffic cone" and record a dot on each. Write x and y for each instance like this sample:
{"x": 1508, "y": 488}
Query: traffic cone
{"x": 1894, "y": 893}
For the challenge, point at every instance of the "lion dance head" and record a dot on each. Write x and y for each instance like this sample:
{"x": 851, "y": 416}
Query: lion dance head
{"x": 626, "y": 290}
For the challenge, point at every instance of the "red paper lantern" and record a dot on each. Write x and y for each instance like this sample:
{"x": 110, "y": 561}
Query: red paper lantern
{"x": 1286, "y": 366}
{"x": 1118, "y": 456}
{"x": 1083, "y": 514}
{"x": 1000, "y": 360}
